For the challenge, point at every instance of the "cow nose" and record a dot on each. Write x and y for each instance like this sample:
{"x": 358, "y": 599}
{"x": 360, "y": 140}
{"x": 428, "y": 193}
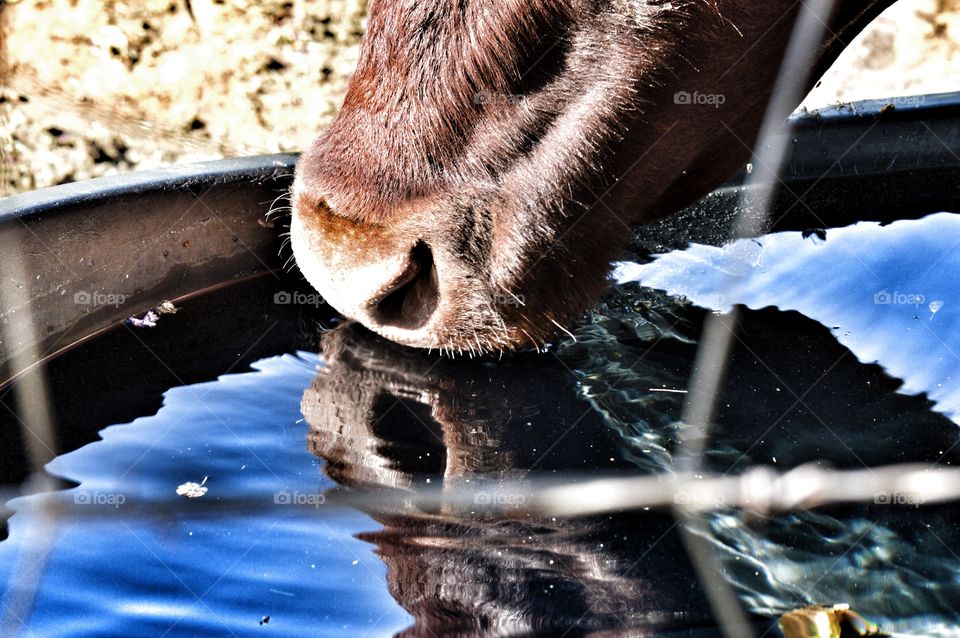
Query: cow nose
{"x": 411, "y": 298}
{"x": 389, "y": 279}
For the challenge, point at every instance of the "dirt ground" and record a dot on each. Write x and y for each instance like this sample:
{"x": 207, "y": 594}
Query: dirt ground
{"x": 96, "y": 87}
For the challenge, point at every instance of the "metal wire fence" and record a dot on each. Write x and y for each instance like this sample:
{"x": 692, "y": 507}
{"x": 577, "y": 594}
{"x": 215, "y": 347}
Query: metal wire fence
{"x": 688, "y": 493}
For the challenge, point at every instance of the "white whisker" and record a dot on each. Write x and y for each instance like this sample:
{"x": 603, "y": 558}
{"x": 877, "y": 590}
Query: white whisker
{"x": 568, "y": 333}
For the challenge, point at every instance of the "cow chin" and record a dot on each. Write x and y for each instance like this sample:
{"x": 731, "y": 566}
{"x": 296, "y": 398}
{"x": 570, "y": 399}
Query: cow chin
{"x": 411, "y": 287}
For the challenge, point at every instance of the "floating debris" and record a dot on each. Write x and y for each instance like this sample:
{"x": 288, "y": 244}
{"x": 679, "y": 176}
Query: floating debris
{"x": 265, "y": 620}
{"x": 819, "y": 621}
{"x": 167, "y": 308}
{"x": 816, "y": 233}
{"x": 935, "y": 306}
{"x": 150, "y": 319}
{"x": 192, "y": 490}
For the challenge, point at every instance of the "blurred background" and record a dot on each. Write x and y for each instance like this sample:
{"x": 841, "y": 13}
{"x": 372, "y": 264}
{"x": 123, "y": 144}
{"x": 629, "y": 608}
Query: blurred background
{"x": 96, "y": 87}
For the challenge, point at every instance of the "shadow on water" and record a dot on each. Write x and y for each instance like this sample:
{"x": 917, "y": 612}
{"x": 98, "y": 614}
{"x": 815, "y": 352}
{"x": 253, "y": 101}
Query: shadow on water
{"x": 880, "y": 295}
{"x": 888, "y": 293}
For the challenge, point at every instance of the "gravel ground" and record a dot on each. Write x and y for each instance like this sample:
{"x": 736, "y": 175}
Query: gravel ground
{"x": 912, "y": 49}
{"x": 96, "y": 87}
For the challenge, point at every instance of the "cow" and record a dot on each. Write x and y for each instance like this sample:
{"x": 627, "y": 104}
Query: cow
{"x": 491, "y": 156}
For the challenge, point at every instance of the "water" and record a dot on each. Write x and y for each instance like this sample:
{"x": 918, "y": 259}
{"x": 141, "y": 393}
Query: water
{"x": 823, "y": 371}
{"x": 125, "y": 556}
{"x": 886, "y": 294}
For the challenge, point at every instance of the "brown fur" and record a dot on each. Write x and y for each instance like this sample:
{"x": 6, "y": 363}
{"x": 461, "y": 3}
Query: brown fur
{"x": 515, "y": 142}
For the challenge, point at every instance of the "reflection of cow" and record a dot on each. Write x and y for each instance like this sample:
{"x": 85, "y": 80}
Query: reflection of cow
{"x": 490, "y": 155}
{"x": 388, "y": 418}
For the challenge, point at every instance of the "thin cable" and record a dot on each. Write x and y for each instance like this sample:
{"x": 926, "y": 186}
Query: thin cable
{"x": 717, "y": 340}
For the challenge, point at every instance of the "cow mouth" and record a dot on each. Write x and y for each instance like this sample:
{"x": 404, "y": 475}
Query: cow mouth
{"x": 412, "y": 298}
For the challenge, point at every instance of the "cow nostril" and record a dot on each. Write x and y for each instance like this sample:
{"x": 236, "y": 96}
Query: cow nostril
{"x": 414, "y": 297}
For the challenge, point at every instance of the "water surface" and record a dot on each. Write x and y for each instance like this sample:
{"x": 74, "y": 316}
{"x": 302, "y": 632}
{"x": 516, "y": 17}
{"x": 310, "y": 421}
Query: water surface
{"x": 123, "y": 555}
{"x": 845, "y": 355}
